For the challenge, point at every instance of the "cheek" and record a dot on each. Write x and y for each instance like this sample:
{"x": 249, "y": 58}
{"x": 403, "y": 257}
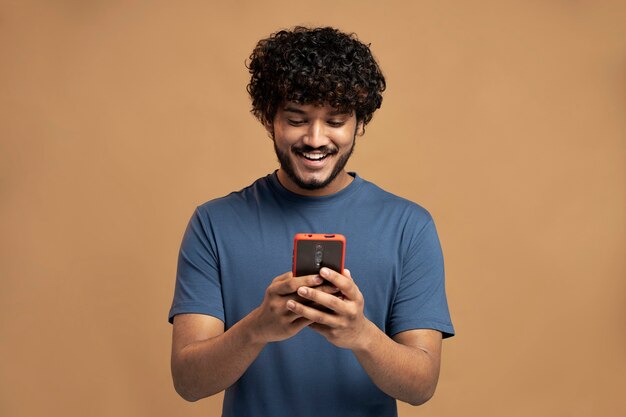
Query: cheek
{"x": 280, "y": 140}
{"x": 346, "y": 139}
{"x": 286, "y": 137}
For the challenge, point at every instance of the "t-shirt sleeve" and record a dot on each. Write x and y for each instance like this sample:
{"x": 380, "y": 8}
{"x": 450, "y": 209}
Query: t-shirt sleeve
{"x": 420, "y": 302}
{"x": 198, "y": 287}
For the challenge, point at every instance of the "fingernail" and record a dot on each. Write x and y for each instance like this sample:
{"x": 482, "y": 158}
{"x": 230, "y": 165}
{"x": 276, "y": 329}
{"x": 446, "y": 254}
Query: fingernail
{"x": 324, "y": 271}
{"x": 318, "y": 280}
{"x": 291, "y": 305}
{"x": 302, "y": 291}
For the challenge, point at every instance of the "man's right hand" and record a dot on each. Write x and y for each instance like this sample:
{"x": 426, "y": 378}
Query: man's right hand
{"x": 273, "y": 321}
{"x": 206, "y": 359}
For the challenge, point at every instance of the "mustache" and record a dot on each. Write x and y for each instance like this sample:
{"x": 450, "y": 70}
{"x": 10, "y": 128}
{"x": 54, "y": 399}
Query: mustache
{"x": 307, "y": 149}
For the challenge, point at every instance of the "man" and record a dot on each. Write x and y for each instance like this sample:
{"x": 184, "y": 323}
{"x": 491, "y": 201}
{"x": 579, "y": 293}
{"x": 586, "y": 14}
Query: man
{"x": 338, "y": 344}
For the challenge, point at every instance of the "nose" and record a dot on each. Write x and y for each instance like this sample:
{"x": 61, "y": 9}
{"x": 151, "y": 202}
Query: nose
{"x": 316, "y": 135}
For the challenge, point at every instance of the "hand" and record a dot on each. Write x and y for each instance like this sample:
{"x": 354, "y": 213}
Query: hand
{"x": 325, "y": 287}
{"x": 345, "y": 325}
{"x": 272, "y": 320}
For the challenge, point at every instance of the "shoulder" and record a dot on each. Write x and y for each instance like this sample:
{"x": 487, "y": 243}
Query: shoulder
{"x": 393, "y": 204}
{"x": 251, "y": 196}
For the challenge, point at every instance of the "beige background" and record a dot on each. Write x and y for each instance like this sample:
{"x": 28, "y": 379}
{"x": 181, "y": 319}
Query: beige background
{"x": 506, "y": 119}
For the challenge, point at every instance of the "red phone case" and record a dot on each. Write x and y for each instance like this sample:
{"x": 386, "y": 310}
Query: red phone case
{"x": 312, "y": 251}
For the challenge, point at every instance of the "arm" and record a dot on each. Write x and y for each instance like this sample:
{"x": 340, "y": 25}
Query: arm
{"x": 405, "y": 367}
{"x": 206, "y": 359}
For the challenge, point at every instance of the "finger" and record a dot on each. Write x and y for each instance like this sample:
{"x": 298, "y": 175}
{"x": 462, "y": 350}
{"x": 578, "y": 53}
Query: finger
{"x": 318, "y": 307}
{"x": 300, "y": 322}
{"x": 282, "y": 277}
{"x": 327, "y": 300}
{"x": 299, "y": 299}
{"x": 346, "y": 285}
{"x": 327, "y": 288}
{"x": 320, "y": 328}
{"x": 312, "y": 314}
{"x": 290, "y": 286}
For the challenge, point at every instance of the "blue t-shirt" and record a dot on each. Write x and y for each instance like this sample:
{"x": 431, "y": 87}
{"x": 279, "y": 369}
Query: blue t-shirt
{"x": 236, "y": 245}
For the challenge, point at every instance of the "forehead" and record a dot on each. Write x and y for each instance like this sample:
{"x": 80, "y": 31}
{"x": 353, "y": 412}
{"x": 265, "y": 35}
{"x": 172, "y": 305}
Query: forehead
{"x": 312, "y": 109}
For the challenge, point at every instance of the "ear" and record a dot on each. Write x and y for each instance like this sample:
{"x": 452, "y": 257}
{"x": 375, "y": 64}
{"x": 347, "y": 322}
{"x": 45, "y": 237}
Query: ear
{"x": 269, "y": 127}
{"x": 360, "y": 128}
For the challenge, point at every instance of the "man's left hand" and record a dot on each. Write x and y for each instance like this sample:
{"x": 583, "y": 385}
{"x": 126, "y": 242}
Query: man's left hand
{"x": 344, "y": 325}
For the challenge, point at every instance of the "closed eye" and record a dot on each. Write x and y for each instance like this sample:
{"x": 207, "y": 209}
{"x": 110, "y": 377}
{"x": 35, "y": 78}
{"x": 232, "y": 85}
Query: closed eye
{"x": 336, "y": 123}
{"x": 294, "y": 122}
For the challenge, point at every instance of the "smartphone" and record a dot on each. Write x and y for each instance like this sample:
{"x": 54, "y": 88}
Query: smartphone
{"x": 312, "y": 251}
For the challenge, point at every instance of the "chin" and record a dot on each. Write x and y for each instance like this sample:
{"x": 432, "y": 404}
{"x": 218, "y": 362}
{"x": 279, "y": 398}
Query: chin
{"x": 312, "y": 184}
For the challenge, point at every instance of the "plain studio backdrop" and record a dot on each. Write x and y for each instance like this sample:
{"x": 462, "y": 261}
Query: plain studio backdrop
{"x": 505, "y": 119}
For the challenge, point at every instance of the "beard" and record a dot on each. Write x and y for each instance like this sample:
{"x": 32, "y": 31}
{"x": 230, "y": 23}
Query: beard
{"x": 287, "y": 165}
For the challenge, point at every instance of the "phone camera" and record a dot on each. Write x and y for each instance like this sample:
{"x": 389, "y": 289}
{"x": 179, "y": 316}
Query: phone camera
{"x": 319, "y": 255}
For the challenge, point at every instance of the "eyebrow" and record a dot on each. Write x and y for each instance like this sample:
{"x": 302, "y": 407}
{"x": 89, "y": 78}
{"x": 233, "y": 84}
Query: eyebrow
{"x": 292, "y": 109}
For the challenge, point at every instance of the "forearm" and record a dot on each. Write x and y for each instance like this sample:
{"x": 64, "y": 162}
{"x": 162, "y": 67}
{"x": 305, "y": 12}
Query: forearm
{"x": 207, "y": 367}
{"x": 406, "y": 373}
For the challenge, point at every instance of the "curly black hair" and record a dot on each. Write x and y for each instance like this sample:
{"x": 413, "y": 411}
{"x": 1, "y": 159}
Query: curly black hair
{"x": 314, "y": 66}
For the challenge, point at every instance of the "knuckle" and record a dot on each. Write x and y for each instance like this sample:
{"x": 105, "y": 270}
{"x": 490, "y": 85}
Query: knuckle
{"x": 360, "y": 303}
{"x": 311, "y": 294}
{"x": 326, "y": 288}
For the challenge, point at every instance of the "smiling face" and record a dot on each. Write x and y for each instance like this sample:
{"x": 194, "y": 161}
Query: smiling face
{"x": 313, "y": 145}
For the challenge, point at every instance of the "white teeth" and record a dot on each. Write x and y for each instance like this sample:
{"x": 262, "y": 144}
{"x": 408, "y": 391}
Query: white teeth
{"x": 314, "y": 156}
